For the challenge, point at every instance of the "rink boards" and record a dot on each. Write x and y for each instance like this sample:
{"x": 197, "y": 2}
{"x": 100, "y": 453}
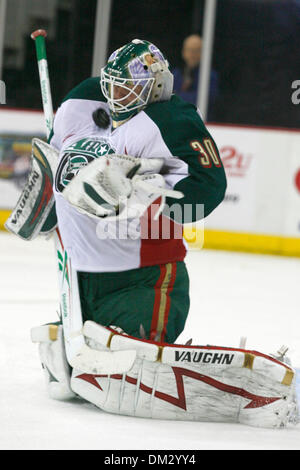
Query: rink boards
{"x": 261, "y": 209}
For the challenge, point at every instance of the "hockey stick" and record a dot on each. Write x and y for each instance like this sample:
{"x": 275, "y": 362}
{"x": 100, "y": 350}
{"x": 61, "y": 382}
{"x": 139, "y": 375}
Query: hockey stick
{"x": 79, "y": 354}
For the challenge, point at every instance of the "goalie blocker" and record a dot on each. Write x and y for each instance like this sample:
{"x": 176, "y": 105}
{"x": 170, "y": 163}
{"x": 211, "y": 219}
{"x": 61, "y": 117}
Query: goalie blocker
{"x": 176, "y": 382}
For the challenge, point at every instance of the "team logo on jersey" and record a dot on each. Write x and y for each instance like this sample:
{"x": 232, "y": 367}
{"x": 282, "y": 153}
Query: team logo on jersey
{"x": 77, "y": 156}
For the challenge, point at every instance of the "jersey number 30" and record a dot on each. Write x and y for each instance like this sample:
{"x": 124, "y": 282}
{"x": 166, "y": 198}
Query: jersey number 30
{"x": 207, "y": 153}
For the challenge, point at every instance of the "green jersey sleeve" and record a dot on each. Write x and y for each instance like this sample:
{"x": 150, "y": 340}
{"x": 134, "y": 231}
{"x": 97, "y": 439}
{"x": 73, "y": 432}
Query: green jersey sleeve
{"x": 187, "y": 138}
{"x": 89, "y": 89}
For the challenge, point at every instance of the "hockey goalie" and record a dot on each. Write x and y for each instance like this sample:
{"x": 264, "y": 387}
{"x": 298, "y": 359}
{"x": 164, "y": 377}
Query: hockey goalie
{"x": 127, "y": 165}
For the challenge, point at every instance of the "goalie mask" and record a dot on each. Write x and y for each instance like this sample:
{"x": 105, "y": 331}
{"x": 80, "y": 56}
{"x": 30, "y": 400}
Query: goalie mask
{"x": 136, "y": 75}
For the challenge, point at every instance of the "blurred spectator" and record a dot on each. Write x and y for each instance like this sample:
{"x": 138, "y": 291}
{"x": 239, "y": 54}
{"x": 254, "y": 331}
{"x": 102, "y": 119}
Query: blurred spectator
{"x": 186, "y": 77}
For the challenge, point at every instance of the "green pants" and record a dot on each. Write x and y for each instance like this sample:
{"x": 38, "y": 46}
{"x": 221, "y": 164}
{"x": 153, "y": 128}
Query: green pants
{"x": 156, "y": 297}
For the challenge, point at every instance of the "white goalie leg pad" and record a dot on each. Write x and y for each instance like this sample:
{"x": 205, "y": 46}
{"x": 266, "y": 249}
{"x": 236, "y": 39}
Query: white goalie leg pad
{"x": 193, "y": 383}
{"x": 53, "y": 358}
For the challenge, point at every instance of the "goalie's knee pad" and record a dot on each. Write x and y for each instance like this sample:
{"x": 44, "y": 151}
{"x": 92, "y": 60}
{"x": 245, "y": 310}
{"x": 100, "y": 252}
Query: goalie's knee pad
{"x": 54, "y": 362}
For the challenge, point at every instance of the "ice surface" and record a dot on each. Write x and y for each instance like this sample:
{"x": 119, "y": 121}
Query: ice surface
{"x": 232, "y": 295}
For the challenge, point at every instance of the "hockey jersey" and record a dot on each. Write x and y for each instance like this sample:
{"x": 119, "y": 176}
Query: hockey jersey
{"x": 172, "y": 130}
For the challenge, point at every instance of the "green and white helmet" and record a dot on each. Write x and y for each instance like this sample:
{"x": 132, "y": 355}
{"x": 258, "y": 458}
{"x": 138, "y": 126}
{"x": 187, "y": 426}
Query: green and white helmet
{"x": 136, "y": 75}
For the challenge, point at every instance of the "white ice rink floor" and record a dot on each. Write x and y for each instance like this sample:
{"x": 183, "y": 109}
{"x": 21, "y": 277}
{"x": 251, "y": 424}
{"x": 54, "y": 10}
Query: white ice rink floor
{"x": 232, "y": 295}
